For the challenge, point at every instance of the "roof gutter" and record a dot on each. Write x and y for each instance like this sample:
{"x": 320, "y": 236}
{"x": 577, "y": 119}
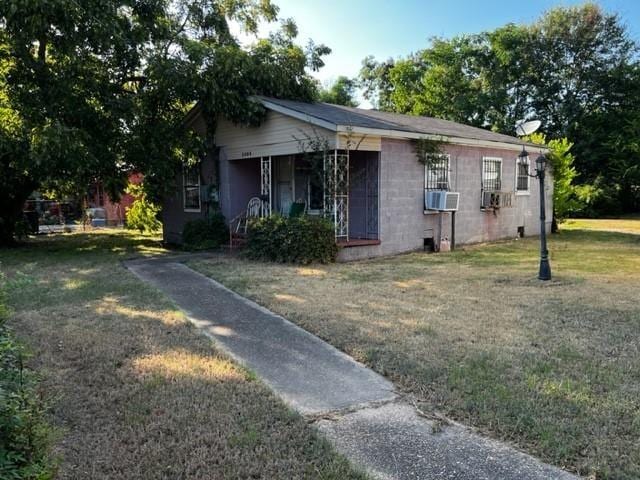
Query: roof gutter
{"x": 471, "y": 142}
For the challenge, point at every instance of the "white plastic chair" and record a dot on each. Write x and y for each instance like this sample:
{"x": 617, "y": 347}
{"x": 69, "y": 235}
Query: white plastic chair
{"x": 241, "y": 221}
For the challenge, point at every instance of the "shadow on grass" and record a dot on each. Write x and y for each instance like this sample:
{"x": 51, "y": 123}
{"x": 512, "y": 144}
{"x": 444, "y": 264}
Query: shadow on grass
{"x": 129, "y": 379}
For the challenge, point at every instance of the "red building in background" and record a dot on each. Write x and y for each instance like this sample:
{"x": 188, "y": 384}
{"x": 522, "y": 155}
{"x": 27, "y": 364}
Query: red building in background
{"x": 115, "y": 211}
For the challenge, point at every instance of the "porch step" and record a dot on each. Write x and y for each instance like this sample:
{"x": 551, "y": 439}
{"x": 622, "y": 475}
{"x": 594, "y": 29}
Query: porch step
{"x": 237, "y": 241}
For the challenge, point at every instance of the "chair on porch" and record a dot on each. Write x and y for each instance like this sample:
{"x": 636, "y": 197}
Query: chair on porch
{"x": 239, "y": 224}
{"x": 297, "y": 209}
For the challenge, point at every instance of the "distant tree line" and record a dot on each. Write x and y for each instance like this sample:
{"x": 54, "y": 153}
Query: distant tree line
{"x": 576, "y": 69}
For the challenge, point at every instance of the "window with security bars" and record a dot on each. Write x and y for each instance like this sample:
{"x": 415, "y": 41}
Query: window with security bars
{"x": 522, "y": 174}
{"x": 191, "y": 187}
{"x": 436, "y": 173}
{"x": 491, "y": 174}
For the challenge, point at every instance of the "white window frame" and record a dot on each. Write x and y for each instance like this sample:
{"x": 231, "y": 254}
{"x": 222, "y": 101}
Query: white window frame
{"x": 482, "y": 180}
{"x": 426, "y": 173}
{"x": 184, "y": 188}
{"x": 528, "y": 190}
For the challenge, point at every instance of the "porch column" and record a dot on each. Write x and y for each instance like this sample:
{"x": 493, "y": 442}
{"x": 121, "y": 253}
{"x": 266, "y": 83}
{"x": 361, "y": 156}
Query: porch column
{"x": 336, "y": 192}
{"x": 265, "y": 185}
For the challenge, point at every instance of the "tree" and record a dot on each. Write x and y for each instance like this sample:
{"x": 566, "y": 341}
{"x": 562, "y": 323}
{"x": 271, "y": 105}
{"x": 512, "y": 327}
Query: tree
{"x": 341, "y": 92}
{"x": 564, "y": 173}
{"x": 575, "y": 69}
{"x": 92, "y": 90}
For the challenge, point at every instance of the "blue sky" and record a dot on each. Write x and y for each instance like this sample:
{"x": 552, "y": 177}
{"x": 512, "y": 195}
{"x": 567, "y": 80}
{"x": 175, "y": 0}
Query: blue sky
{"x": 384, "y": 28}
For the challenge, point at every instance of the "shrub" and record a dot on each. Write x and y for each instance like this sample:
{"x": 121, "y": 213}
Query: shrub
{"x": 142, "y": 215}
{"x": 24, "y": 434}
{"x": 297, "y": 240}
{"x": 205, "y": 233}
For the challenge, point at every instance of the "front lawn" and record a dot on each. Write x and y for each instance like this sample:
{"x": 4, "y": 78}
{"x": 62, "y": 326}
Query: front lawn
{"x": 552, "y": 367}
{"x": 135, "y": 391}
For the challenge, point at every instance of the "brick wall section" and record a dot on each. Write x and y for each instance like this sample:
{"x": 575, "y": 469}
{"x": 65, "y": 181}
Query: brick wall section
{"x": 403, "y": 223}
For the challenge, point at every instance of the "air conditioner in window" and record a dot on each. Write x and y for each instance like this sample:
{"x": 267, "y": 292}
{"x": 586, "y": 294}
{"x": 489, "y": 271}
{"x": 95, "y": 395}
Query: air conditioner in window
{"x": 441, "y": 200}
{"x": 494, "y": 199}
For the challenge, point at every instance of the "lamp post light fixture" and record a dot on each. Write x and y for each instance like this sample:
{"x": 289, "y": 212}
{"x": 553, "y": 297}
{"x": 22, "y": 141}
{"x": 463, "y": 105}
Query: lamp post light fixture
{"x": 541, "y": 164}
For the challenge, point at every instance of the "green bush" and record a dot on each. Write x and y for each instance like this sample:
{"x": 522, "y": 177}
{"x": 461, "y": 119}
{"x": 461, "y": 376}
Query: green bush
{"x": 205, "y": 234}
{"x": 142, "y": 215}
{"x": 24, "y": 433}
{"x": 296, "y": 240}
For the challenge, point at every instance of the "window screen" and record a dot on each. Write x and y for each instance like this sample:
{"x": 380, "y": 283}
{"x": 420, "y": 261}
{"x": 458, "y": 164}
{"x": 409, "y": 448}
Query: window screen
{"x": 436, "y": 173}
{"x": 191, "y": 186}
{"x": 491, "y": 174}
{"x": 522, "y": 174}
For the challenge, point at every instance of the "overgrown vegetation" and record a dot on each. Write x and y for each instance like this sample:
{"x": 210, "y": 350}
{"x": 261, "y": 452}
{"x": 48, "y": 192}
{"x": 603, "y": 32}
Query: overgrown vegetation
{"x": 24, "y": 432}
{"x": 129, "y": 72}
{"x": 300, "y": 240}
{"x": 142, "y": 215}
{"x": 205, "y": 234}
{"x": 429, "y": 150}
{"x": 548, "y": 366}
{"x": 129, "y": 379}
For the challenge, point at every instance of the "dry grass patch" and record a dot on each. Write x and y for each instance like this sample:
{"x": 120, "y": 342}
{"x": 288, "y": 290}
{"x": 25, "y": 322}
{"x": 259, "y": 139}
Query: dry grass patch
{"x": 134, "y": 390}
{"x": 553, "y": 367}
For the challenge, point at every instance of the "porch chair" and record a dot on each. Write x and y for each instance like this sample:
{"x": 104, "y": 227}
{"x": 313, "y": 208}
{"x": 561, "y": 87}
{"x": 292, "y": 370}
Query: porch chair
{"x": 239, "y": 224}
{"x": 298, "y": 209}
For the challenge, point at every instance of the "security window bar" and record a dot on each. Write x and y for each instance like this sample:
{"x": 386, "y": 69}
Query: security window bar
{"x": 491, "y": 174}
{"x": 191, "y": 188}
{"x": 436, "y": 173}
{"x": 522, "y": 179}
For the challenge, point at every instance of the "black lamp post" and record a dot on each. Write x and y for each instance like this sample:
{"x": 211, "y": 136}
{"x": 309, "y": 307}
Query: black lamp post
{"x": 541, "y": 164}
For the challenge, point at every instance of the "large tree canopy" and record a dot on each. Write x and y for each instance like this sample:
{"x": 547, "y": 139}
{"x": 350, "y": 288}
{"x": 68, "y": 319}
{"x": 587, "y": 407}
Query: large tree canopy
{"x": 92, "y": 90}
{"x": 341, "y": 92}
{"x": 575, "y": 69}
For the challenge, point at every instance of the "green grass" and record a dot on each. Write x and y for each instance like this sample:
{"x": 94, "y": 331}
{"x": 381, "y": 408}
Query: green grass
{"x": 553, "y": 367}
{"x": 135, "y": 391}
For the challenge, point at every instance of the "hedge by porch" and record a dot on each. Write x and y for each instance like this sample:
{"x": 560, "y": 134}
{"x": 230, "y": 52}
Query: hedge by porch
{"x": 301, "y": 240}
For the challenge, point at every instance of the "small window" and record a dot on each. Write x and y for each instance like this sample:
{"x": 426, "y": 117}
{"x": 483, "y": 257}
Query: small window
{"x": 191, "y": 188}
{"x": 522, "y": 175}
{"x": 491, "y": 174}
{"x": 436, "y": 173}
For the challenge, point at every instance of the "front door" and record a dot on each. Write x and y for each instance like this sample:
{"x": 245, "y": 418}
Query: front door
{"x": 284, "y": 184}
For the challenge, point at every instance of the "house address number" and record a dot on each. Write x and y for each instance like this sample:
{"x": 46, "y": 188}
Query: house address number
{"x": 246, "y": 154}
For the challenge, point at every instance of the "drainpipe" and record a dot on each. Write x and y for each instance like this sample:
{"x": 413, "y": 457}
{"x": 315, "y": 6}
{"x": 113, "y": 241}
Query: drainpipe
{"x": 453, "y": 230}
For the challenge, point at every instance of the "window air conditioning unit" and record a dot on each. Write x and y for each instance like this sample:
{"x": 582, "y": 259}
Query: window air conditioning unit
{"x": 441, "y": 200}
{"x": 492, "y": 200}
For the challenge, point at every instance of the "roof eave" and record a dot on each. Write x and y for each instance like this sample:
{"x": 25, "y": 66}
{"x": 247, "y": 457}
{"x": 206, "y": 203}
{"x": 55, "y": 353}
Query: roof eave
{"x": 465, "y": 141}
{"x": 299, "y": 115}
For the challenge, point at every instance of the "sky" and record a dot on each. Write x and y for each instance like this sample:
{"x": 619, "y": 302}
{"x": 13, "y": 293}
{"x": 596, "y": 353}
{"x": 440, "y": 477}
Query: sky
{"x": 354, "y": 29}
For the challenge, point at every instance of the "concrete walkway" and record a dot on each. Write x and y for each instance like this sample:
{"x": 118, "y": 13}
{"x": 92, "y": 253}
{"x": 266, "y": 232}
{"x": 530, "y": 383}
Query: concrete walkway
{"x": 355, "y": 407}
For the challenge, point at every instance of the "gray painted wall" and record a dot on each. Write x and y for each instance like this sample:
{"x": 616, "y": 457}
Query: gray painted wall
{"x": 403, "y": 223}
{"x": 173, "y": 215}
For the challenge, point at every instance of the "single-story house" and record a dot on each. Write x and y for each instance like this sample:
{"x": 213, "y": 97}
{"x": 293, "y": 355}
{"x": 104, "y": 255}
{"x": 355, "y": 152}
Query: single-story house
{"x": 381, "y": 198}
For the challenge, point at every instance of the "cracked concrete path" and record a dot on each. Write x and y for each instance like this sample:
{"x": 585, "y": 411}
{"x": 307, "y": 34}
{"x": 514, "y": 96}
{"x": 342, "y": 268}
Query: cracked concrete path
{"x": 354, "y": 407}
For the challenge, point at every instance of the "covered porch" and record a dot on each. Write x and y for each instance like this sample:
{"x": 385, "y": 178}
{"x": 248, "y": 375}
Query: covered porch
{"x": 340, "y": 185}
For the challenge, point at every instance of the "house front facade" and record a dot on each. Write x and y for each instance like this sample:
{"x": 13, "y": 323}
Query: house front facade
{"x": 361, "y": 169}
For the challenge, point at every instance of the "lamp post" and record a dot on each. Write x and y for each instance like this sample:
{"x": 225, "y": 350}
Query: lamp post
{"x": 541, "y": 164}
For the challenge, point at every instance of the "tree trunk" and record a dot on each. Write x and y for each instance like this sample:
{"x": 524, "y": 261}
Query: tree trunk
{"x": 10, "y": 213}
{"x": 554, "y": 223}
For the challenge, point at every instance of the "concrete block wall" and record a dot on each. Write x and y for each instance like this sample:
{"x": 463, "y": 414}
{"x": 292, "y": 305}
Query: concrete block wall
{"x": 403, "y": 223}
